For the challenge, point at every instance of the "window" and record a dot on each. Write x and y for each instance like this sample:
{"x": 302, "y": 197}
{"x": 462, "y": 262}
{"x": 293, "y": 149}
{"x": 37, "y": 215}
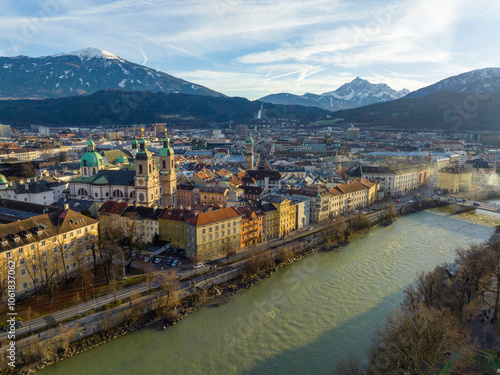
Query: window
{"x": 64, "y": 236}
{"x": 23, "y": 272}
{"x": 56, "y": 260}
{"x": 71, "y": 234}
{"x": 56, "y": 250}
{"x": 20, "y": 250}
{"x": 35, "y": 268}
{"x": 72, "y": 244}
{"x": 22, "y": 261}
{"x": 25, "y": 285}
{"x": 66, "y": 256}
{"x": 45, "y": 264}
{"x": 88, "y": 258}
{"x": 79, "y": 231}
{"x": 54, "y": 240}
{"x": 86, "y": 238}
{"x": 73, "y": 253}
{"x": 67, "y": 267}
{"x": 44, "y": 254}
{"x": 8, "y": 254}
{"x": 43, "y": 243}
{"x": 74, "y": 264}
{"x": 33, "y": 257}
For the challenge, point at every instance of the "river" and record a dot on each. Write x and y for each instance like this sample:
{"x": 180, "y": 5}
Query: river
{"x": 305, "y": 317}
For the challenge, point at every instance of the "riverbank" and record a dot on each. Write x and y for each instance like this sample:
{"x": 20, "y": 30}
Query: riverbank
{"x": 246, "y": 280}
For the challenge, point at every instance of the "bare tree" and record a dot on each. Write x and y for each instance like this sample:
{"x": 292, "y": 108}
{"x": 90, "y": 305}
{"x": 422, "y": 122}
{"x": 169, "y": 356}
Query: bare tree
{"x": 84, "y": 276}
{"x": 132, "y": 234}
{"x": 169, "y": 290}
{"x": 491, "y": 285}
{"x": 419, "y": 341}
{"x": 108, "y": 249}
{"x": 48, "y": 272}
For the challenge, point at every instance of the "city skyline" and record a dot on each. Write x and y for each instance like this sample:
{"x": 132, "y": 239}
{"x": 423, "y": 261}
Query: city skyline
{"x": 255, "y": 48}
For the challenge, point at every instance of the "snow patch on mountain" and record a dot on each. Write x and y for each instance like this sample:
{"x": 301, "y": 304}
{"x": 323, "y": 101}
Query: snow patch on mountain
{"x": 91, "y": 53}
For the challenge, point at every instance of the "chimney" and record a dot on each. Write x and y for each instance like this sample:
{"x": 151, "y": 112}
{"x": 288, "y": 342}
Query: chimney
{"x": 66, "y": 206}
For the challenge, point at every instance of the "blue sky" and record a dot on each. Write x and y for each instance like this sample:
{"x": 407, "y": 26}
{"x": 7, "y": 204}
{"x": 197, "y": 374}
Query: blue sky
{"x": 254, "y": 48}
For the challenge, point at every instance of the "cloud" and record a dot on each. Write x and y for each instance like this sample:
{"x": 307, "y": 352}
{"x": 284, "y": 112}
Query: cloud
{"x": 282, "y": 45}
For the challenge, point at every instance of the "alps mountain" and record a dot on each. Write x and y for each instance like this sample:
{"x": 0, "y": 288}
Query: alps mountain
{"x": 485, "y": 80}
{"x": 357, "y": 93}
{"x": 84, "y": 72}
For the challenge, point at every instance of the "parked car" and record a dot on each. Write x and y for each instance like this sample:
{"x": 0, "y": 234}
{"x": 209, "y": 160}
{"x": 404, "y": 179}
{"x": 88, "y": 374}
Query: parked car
{"x": 146, "y": 259}
{"x": 18, "y": 323}
{"x": 157, "y": 260}
{"x": 310, "y": 228}
{"x": 169, "y": 262}
{"x": 198, "y": 265}
{"x": 476, "y": 204}
{"x": 174, "y": 263}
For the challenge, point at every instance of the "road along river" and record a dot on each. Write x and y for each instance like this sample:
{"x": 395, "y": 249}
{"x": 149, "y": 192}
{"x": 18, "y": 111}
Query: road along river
{"x": 302, "y": 319}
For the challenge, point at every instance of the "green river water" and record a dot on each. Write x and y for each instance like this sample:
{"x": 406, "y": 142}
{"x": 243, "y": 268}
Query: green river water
{"x": 305, "y": 317}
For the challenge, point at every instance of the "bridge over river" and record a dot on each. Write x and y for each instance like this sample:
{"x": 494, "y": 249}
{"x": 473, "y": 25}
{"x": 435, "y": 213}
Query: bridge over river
{"x": 463, "y": 205}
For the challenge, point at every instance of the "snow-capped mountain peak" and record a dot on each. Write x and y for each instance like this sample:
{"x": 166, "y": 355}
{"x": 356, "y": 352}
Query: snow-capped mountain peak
{"x": 353, "y": 94}
{"x": 91, "y": 53}
{"x": 84, "y": 72}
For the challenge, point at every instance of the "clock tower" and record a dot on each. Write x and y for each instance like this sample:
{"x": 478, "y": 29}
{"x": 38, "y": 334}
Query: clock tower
{"x": 146, "y": 177}
{"x": 168, "y": 180}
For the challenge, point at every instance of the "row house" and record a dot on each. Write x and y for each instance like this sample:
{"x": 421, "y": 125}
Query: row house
{"x": 252, "y": 225}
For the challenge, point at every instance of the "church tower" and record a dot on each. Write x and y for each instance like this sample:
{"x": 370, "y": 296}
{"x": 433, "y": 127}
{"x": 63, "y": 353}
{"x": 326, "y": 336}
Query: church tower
{"x": 168, "y": 180}
{"x": 249, "y": 152}
{"x": 134, "y": 147}
{"x": 146, "y": 177}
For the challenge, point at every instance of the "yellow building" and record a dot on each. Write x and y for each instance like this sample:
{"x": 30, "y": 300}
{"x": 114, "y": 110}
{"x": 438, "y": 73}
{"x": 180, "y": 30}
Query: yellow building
{"x": 213, "y": 234}
{"x": 454, "y": 179}
{"x": 286, "y": 214}
{"x": 47, "y": 247}
{"x": 271, "y": 226}
{"x": 172, "y": 228}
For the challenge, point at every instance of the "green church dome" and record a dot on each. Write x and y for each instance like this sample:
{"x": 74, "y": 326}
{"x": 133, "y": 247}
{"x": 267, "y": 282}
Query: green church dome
{"x": 249, "y": 139}
{"x": 134, "y": 144}
{"x": 166, "y": 150}
{"x": 91, "y": 158}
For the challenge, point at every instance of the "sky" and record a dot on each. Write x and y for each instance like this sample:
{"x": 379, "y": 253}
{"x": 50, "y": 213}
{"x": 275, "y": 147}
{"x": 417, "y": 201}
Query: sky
{"x": 252, "y": 48}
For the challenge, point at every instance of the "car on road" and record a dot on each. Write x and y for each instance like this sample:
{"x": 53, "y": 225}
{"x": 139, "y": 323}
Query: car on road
{"x": 169, "y": 262}
{"x": 198, "y": 265}
{"x": 157, "y": 260}
{"x": 310, "y": 228}
{"x": 476, "y": 204}
{"x": 146, "y": 259}
{"x": 174, "y": 263}
{"x": 398, "y": 200}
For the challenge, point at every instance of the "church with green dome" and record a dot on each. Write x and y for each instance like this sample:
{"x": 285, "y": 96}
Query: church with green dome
{"x": 144, "y": 183}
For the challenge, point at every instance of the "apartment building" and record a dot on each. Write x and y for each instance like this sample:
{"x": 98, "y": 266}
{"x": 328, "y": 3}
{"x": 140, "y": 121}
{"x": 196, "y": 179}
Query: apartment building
{"x": 213, "y": 234}
{"x": 47, "y": 247}
{"x": 454, "y": 179}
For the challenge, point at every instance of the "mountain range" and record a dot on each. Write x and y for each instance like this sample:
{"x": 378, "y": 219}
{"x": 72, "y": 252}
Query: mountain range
{"x": 84, "y": 72}
{"x": 357, "y": 93}
{"x": 485, "y": 80}
{"x": 468, "y": 101}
